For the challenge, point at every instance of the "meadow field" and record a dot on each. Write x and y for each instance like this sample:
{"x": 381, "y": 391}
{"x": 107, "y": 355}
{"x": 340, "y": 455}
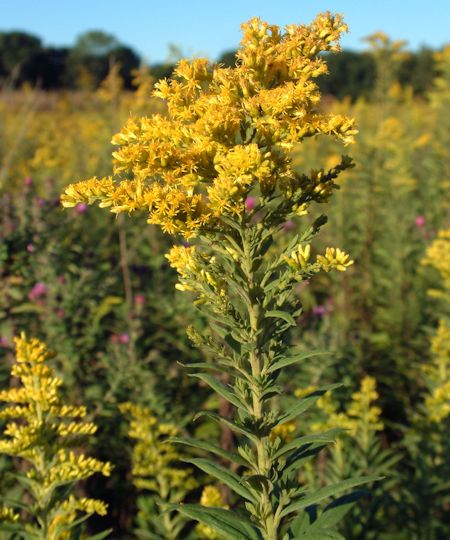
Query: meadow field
{"x": 98, "y": 289}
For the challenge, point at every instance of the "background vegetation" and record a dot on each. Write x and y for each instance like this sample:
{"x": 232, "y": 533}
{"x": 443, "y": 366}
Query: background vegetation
{"x": 99, "y": 291}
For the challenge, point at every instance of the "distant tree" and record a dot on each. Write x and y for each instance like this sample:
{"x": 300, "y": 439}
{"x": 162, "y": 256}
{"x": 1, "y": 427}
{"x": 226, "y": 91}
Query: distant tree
{"x": 351, "y": 74}
{"x": 227, "y": 58}
{"x": 418, "y": 70}
{"x": 47, "y": 69}
{"x": 94, "y": 52}
{"x": 162, "y": 70}
{"x": 17, "y": 49}
{"x": 128, "y": 60}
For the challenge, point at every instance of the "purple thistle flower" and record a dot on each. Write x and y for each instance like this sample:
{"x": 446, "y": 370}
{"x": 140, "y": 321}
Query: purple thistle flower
{"x": 81, "y": 208}
{"x": 250, "y": 203}
{"x": 420, "y": 221}
{"x": 38, "y": 290}
{"x": 288, "y": 225}
{"x": 319, "y": 311}
{"x": 139, "y": 299}
{"x": 124, "y": 338}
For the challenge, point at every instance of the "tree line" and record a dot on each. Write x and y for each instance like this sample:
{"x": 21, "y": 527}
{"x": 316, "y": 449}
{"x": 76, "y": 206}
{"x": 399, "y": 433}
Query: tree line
{"x": 24, "y": 59}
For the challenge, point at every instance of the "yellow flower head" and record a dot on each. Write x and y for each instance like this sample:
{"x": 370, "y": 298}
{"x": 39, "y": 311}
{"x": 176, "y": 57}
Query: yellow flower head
{"x": 283, "y": 431}
{"x": 153, "y": 457}
{"x": 228, "y": 132}
{"x": 41, "y": 430}
{"x": 212, "y": 497}
{"x": 334, "y": 258}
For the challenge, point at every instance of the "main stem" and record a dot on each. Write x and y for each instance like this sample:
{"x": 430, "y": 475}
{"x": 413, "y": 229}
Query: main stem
{"x": 268, "y": 515}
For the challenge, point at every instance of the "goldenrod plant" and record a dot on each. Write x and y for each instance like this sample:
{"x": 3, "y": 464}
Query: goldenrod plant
{"x": 218, "y": 171}
{"x": 44, "y": 434}
{"x": 427, "y": 494}
{"x": 358, "y": 450}
{"x": 157, "y": 474}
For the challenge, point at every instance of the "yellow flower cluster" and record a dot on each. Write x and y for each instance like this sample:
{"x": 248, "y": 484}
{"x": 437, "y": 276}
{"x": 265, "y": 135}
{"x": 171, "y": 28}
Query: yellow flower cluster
{"x": 334, "y": 258}
{"x": 438, "y": 256}
{"x": 360, "y": 416}
{"x": 190, "y": 267}
{"x": 437, "y": 404}
{"x": 182, "y": 258}
{"x": 284, "y": 432}
{"x": 153, "y": 458}
{"x": 67, "y": 513}
{"x": 212, "y": 497}
{"x": 228, "y": 132}
{"x": 8, "y": 515}
{"x": 41, "y": 429}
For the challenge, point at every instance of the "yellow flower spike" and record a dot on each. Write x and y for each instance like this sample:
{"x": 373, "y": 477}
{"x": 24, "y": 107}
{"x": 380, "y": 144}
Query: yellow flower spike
{"x": 300, "y": 257}
{"x": 283, "y": 431}
{"x": 360, "y": 416}
{"x": 229, "y": 131}
{"x": 154, "y": 458}
{"x": 8, "y": 515}
{"x": 40, "y": 431}
{"x": 212, "y": 497}
{"x": 334, "y": 258}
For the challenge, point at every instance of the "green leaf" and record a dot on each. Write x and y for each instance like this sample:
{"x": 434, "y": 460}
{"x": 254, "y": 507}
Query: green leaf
{"x": 222, "y": 390}
{"x": 299, "y": 457}
{"x": 225, "y": 522}
{"x": 326, "y": 492}
{"x": 208, "y": 447}
{"x": 100, "y": 535}
{"x": 289, "y": 360}
{"x": 17, "y": 528}
{"x": 305, "y": 403}
{"x": 232, "y": 425}
{"x": 325, "y": 437}
{"x": 321, "y": 534}
{"x": 281, "y": 315}
{"x": 337, "y": 509}
{"x": 233, "y": 343}
{"x": 232, "y": 480}
{"x": 311, "y": 231}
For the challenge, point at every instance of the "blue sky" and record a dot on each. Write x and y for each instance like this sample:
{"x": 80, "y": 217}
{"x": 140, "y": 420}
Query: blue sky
{"x": 208, "y": 27}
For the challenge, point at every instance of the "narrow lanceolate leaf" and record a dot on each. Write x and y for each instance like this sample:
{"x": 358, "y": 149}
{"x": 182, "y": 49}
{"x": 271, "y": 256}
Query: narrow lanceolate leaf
{"x": 232, "y": 425}
{"x": 325, "y": 437}
{"x": 326, "y": 492}
{"x": 100, "y": 535}
{"x": 222, "y": 390}
{"x": 289, "y": 360}
{"x": 321, "y": 534}
{"x": 232, "y": 480}
{"x": 225, "y": 522}
{"x": 17, "y": 529}
{"x": 212, "y": 448}
{"x": 305, "y": 403}
{"x": 336, "y": 510}
{"x": 281, "y": 315}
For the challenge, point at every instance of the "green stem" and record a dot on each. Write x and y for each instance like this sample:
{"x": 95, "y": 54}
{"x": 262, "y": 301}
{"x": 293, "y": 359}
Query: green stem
{"x": 268, "y": 517}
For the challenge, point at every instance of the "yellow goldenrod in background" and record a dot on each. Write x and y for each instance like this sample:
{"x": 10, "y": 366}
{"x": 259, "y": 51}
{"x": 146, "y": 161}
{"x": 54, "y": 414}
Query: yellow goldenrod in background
{"x": 211, "y": 497}
{"x": 156, "y": 470}
{"x": 360, "y": 416}
{"x": 45, "y": 433}
{"x": 437, "y": 372}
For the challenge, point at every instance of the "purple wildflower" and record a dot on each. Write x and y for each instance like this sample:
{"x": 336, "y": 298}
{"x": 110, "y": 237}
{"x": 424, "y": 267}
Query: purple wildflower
{"x": 38, "y": 290}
